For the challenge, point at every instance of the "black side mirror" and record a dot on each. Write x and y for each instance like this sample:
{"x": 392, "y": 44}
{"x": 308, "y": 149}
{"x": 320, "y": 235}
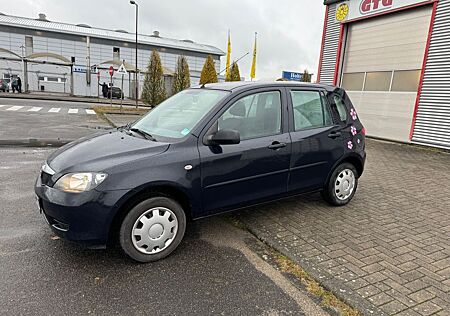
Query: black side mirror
{"x": 223, "y": 137}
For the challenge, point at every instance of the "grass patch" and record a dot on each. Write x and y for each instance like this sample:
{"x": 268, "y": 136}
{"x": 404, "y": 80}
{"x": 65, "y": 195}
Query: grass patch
{"x": 103, "y": 109}
{"x": 328, "y": 299}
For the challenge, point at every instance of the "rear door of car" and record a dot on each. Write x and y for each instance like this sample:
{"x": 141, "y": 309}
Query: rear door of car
{"x": 257, "y": 168}
{"x": 316, "y": 139}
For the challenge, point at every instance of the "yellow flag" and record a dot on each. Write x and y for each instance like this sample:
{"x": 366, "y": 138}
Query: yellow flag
{"x": 253, "y": 71}
{"x": 227, "y": 73}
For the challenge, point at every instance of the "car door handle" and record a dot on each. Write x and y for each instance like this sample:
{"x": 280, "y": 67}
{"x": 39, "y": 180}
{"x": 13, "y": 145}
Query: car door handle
{"x": 276, "y": 145}
{"x": 334, "y": 134}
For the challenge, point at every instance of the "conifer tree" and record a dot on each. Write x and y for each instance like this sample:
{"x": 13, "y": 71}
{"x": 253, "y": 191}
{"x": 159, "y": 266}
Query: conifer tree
{"x": 154, "y": 92}
{"x": 182, "y": 77}
{"x": 209, "y": 74}
{"x": 306, "y": 76}
{"x": 235, "y": 75}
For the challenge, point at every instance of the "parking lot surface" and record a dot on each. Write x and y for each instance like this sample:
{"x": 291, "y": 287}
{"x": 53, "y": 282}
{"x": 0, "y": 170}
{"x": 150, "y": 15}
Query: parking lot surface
{"x": 388, "y": 251}
{"x": 214, "y": 271}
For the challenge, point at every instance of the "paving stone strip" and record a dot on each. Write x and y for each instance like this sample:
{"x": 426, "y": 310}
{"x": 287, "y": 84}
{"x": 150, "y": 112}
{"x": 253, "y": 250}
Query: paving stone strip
{"x": 388, "y": 251}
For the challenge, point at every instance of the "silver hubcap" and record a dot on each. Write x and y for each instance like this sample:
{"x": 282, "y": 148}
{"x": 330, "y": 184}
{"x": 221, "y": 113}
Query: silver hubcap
{"x": 154, "y": 230}
{"x": 344, "y": 184}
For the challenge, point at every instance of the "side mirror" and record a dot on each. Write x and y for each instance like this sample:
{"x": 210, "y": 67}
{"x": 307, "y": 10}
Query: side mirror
{"x": 223, "y": 137}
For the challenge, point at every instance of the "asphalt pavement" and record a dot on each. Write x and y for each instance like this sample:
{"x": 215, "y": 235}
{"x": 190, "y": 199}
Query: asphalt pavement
{"x": 216, "y": 270}
{"x": 48, "y": 122}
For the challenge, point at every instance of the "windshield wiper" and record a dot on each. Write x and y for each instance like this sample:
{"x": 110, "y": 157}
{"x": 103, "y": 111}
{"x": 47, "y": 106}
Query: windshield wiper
{"x": 143, "y": 133}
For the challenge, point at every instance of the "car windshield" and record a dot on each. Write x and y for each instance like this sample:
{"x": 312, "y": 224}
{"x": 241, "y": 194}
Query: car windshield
{"x": 177, "y": 116}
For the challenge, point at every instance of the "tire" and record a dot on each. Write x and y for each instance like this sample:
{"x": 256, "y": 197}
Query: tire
{"x": 337, "y": 192}
{"x": 158, "y": 223}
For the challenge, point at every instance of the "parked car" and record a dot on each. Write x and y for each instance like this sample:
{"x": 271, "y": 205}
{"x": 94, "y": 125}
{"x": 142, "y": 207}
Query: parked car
{"x": 4, "y": 86}
{"x": 204, "y": 151}
{"x": 116, "y": 93}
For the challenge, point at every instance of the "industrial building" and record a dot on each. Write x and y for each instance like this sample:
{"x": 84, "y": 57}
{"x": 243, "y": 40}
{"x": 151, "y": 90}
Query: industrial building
{"x": 58, "y": 57}
{"x": 393, "y": 58}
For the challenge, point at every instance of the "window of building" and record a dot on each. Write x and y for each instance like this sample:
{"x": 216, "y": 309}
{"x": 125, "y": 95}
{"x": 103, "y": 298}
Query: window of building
{"x": 28, "y": 45}
{"x": 353, "y": 81}
{"x": 254, "y": 116}
{"x": 116, "y": 53}
{"x": 378, "y": 81}
{"x": 309, "y": 110}
{"x": 406, "y": 80}
{"x": 340, "y": 107}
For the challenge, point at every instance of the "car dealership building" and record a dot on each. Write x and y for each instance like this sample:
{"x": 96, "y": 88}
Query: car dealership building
{"x": 59, "y": 57}
{"x": 393, "y": 58}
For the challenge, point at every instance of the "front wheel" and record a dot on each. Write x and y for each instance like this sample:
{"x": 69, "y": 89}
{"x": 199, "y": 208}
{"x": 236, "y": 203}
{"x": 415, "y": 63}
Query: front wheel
{"x": 153, "y": 229}
{"x": 341, "y": 186}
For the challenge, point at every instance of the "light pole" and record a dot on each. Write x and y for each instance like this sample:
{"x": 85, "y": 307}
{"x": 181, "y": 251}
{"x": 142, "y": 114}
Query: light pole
{"x": 136, "y": 79}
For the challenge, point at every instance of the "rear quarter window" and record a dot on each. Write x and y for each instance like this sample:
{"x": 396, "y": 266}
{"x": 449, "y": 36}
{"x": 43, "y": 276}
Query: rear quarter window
{"x": 340, "y": 107}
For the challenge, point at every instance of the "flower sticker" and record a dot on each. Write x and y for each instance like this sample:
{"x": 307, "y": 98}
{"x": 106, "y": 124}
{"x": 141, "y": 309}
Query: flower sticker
{"x": 353, "y": 114}
{"x": 350, "y": 145}
{"x": 353, "y": 130}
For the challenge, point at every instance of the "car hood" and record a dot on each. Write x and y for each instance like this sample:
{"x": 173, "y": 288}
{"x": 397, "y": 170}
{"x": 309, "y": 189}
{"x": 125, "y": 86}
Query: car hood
{"x": 102, "y": 151}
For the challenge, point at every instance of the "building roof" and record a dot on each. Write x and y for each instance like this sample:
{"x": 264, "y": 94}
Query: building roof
{"x": 119, "y": 35}
{"x": 327, "y": 2}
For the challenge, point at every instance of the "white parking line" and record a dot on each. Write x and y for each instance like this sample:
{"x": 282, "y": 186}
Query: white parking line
{"x": 2, "y": 105}
{"x": 14, "y": 108}
{"x": 88, "y": 111}
{"x": 73, "y": 111}
{"x": 35, "y": 109}
{"x": 54, "y": 110}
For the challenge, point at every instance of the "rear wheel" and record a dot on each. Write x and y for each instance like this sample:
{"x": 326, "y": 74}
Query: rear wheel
{"x": 153, "y": 229}
{"x": 341, "y": 186}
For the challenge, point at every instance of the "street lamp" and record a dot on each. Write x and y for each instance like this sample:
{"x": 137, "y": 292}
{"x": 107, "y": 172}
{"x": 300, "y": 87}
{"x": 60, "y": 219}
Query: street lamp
{"x": 136, "y": 80}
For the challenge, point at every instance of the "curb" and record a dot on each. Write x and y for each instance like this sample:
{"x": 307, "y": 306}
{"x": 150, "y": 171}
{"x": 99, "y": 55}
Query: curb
{"x": 337, "y": 287}
{"x": 67, "y": 99}
{"x": 34, "y": 142}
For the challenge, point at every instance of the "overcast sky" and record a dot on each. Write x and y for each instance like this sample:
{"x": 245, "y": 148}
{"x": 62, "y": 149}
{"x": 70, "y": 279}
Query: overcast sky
{"x": 289, "y": 31}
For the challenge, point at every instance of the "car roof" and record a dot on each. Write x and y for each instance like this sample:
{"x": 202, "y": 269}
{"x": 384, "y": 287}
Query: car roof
{"x": 244, "y": 85}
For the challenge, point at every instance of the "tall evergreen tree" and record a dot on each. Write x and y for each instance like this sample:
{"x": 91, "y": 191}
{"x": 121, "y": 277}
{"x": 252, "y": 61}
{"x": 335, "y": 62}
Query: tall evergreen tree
{"x": 306, "y": 76}
{"x": 154, "y": 92}
{"x": 209, "y": 74}
{"x": 182, "y": 77}
{"x": 235, "y": 75}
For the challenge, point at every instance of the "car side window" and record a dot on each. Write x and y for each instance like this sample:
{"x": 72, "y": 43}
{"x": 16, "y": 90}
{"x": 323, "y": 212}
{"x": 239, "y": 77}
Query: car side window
{"x": 310, "y": 110}
{"x": 341, "y": 108}
{"x": 253, "y": 116}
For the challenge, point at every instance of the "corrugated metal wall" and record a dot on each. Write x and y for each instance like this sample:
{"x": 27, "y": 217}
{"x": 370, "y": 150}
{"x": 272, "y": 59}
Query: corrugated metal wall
{"x": 432, "y": 126}
{"x": 330, "y": 46}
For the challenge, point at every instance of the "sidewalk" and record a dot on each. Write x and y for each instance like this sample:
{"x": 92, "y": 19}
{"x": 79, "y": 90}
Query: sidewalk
{"x": 67, "y": 98}
{"x": 388, "y": 251}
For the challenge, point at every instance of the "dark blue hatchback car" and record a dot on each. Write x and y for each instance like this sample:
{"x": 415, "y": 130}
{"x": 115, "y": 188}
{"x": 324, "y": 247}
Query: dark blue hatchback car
{"x": 204, "y": 151}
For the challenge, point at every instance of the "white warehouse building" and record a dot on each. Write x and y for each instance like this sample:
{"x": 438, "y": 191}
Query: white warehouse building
{"x": 62, "y": 58}
{"x": 393, "y": 58}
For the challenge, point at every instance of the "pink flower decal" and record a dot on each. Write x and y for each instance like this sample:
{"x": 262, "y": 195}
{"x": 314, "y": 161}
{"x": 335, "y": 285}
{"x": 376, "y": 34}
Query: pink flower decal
{"x": 353, "y": 114}
{"x": 350, "y": 145}
{"x": 353, "y": 130}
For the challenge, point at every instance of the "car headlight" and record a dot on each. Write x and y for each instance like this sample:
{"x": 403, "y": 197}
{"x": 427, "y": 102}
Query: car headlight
{"x": 79, "y": 182}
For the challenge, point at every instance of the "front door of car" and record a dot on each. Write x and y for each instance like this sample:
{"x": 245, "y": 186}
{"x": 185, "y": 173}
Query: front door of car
{"x": 316, "y": 140}
{"x": 257, "y": 168}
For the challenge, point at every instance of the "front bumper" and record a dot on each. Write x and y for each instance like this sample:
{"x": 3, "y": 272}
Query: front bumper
{"x": 79, "y": 217}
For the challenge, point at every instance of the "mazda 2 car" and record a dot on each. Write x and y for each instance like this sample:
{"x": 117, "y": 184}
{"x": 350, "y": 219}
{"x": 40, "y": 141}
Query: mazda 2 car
{"x": 204, "y": 151}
